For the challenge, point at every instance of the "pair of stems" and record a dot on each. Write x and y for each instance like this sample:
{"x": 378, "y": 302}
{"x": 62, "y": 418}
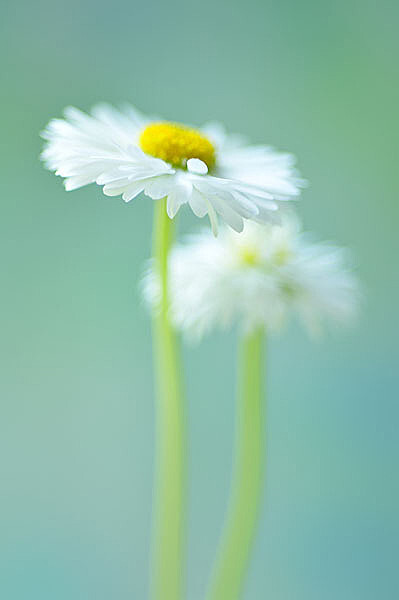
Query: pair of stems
{"x": 168, "y": 552}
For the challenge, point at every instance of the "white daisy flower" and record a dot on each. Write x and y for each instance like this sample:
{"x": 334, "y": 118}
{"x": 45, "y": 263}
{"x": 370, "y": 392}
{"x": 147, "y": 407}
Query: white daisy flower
{"x": 257, "y": 278}
{"x": 128, "y": 153}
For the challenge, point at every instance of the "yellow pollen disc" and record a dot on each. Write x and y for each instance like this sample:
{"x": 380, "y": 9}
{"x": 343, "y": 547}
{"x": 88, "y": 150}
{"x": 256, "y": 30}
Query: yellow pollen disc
{"x": 176, "y": 144}
{"x": 249, "y": 256}
{"x": 281, "y": 256}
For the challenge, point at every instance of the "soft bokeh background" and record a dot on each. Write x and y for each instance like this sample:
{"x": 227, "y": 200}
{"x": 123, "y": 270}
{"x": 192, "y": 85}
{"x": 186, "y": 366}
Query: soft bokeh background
{"x": 77, "y": 418}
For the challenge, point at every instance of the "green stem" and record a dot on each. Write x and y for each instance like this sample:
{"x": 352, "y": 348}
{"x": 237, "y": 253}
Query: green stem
{"x": 169, "y": 501}
{"x": 240, "y": 528}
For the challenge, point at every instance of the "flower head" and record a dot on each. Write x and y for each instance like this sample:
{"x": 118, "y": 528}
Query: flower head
{"x": 256, "y": 278}
{"x": 128, "y": 153}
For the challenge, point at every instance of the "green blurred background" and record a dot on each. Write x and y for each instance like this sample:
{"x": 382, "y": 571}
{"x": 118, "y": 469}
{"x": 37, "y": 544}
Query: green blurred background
{"x": 77, "y": 417}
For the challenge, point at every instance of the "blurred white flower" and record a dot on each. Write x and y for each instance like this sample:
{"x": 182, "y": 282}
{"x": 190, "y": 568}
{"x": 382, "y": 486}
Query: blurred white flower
{"x": 128, "y": 153}
{"x": 257, "y": 278}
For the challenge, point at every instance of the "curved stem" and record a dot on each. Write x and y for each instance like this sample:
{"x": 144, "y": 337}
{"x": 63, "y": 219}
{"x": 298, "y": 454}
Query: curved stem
{"x": 169, "y": 500}
{"x": 240, "y": 528}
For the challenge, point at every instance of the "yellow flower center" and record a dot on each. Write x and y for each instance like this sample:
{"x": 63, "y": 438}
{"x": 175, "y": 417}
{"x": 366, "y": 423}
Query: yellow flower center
{"x": 176, "y": 144}
{"x": 282, "y": 256}
{"x": 249, "y": 256}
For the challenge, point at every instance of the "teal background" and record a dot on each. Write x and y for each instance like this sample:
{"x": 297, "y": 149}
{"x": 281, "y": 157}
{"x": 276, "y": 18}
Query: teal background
{"x": 77, "y": 417}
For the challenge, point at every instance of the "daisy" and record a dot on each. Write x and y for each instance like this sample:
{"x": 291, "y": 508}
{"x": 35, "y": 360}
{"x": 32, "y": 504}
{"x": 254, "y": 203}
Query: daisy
{"x": 257, "y": 278}
{"x": 212, "y": 171}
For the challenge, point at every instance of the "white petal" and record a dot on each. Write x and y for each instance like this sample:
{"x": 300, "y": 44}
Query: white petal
{"x": 132, "y": 191}
{"x": 198, "y": 204}
{"x": 159, "y": 187}
{"x": 174, "y": 202}
{"x": 270, "y": 172}
{"x": 195, "y": 165}
{"x": 227, "y": 213}
{"x": 212, "y": 218}
{"x": 73, "y": 183}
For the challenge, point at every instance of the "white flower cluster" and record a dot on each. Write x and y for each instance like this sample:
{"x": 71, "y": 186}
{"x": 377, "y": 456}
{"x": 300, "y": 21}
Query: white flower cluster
{"x": 257, "y": 278}
{"x": 258, "y": 272}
